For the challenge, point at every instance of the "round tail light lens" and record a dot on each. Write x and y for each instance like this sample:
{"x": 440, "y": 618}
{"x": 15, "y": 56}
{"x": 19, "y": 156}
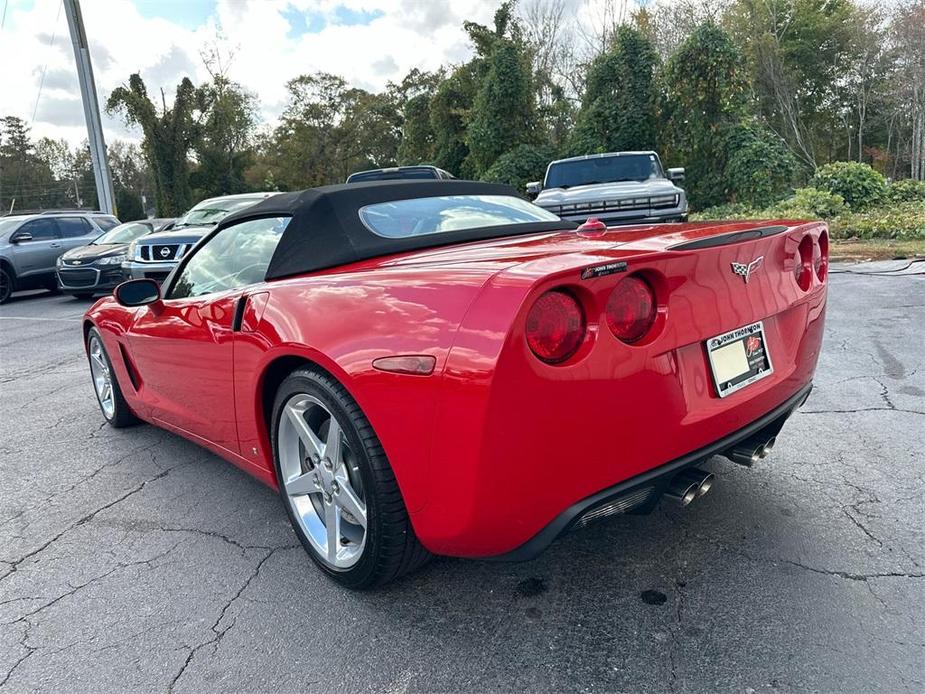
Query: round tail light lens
{"x": 631, "y": 309}
{"x": 555, "y": 326}
{"x": 822, "y": 260}
{"x": 804, "y": 267}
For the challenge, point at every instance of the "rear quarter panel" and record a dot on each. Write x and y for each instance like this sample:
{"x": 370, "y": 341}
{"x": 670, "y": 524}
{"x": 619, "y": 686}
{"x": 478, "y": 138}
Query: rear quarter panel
{"x": 342, "y": 322}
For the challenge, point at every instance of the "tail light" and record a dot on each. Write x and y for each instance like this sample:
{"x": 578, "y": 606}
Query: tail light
{"x": 804, "y": 267}
{"x": 821, "y": 263}
{"x": 631, "y": 309}
{"x": 555, "y": 326}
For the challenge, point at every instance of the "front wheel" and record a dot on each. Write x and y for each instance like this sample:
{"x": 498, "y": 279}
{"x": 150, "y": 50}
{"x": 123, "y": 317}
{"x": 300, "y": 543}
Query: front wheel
{"x": 108, "y": 393}
{"x": 6, "y": 285}
{"x": 337, "y": 485}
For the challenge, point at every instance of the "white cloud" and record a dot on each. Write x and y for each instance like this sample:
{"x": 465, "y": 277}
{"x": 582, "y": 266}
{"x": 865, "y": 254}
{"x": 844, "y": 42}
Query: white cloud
{"x": 401, "y": 35}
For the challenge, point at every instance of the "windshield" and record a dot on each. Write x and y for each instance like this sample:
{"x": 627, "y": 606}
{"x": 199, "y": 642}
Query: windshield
{"x": 583, "y": 172}
{"x": 420, "y": 216}
{"x": 213, "y": 211}
{"x": 124, "y": 233}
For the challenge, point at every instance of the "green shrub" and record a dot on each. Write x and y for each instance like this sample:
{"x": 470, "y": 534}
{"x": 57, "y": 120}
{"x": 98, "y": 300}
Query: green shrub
{"x": 732, "y": 210}
{"x": 906, "y": 190}
{"x": 901, "y": 221}
{"x": 858, "y": 184}
{"x": 759, "y": 168}
{"x": 519, "y": 166}
{"x": 809, "y": 203}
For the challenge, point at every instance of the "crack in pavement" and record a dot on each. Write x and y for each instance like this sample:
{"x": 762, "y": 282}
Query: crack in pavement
{"x": 14, "y": 565}
{"x": 862, "y": 409}
{"x": 74, "y": 589}
{"x": 217, "y": 633}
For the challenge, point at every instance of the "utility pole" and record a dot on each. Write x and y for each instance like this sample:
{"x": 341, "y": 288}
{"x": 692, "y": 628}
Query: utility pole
{"x": 101, "y": 173}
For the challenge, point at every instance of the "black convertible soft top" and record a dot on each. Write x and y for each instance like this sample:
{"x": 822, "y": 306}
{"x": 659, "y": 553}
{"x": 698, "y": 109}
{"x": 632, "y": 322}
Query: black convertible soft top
{"x": 326, "y": 230}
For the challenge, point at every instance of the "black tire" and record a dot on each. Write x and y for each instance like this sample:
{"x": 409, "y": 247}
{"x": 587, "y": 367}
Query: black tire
{"x": 122, "y": 415}
{"x": 392, "y": 549}
{"x": 83, "y": 296}
{"x": 52, "y": 286}
{"x": 7, "y": 284}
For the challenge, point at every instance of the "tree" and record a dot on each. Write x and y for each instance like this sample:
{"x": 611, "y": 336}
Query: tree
{"x": 704, "y": 94}
{"x": 909, "y": 38}
{"x": 797, "y": 52}
{"x": 224, "y": 148}
{"x": 26, "y": 181}
{"x": 618, "y": 110}
{"x": 449, "y": 116}
{"x": 504, "y": 111}
{"x": 520, "y": 166}
{"x": 168, "y": 137}
{"x": 417, "y": 134}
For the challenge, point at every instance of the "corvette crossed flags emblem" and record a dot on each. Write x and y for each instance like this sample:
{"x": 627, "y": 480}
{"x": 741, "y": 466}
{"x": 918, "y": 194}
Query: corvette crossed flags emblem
{"x": 746, "y": 270}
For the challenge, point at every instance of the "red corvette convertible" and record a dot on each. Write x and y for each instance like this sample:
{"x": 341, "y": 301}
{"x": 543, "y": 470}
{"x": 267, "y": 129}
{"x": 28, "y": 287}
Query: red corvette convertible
{"x": 442, "y": 367}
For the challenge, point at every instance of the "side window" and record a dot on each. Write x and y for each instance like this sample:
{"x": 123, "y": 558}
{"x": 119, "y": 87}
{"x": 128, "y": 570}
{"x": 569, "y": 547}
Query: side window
{"x": 235, "y": 257}
{"x": 72, "y": 227}
{"x": 41, "y": 229}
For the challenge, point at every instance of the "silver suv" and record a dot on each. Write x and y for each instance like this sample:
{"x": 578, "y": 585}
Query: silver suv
{"x": 616, "y": 188}
{"x": 31, "y": 243}
{"x": 154, "y": 256}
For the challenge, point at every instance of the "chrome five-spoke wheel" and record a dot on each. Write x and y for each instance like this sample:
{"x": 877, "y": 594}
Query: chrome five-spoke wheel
{"x": 322, "y": 481}
{"x": 102, "y": 377}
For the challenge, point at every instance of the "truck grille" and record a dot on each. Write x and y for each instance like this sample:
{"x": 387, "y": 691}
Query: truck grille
{"x": 78, "y": 278}
{"x": 160, "y": 253}
{"x": 654, "y": 202}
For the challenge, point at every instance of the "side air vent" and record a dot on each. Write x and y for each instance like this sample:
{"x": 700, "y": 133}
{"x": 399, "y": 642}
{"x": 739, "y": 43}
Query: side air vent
{"x": 130, "y": 367}
{"x": 730, "y": 238}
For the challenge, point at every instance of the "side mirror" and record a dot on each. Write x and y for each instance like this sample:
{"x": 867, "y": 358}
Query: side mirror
{"x": 20, "y": 236}
{"x": 534, "y": 188}
{"x": 676, "y": 174}
{"x": 138, "y": 292}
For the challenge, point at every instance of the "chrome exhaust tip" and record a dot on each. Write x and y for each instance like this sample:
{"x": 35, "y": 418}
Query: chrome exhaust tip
{"x": 703, "y": 480}
{"x": 768, "y": 447}
{"x": 750, "y": 452}
{"x": 682, "y": 490}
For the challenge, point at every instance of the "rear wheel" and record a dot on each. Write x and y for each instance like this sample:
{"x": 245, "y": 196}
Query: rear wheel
{"x": 108, "y": 393}
{"x": 337, "y": 485}
{"x": 6, "y": 285}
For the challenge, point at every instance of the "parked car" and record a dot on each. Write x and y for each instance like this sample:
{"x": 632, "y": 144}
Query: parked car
{"x": 30, "y": 245}
{"x": 443, "y": 367}
{"x": 616, "y": 188}
{"x": 400, "y": 173}
{"x": 155, "y": 255}
{"x": 85, "y": 270}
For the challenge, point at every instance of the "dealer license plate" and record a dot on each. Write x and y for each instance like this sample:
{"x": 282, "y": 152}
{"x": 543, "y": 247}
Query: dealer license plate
{"x": 739, "y": 358}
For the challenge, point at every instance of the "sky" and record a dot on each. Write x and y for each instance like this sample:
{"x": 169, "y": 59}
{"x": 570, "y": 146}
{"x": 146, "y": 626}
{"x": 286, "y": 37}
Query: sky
{"x": 368, "y": 42}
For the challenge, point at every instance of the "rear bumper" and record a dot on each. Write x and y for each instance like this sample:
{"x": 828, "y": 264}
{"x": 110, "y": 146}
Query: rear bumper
{"x": 654, "y": 480}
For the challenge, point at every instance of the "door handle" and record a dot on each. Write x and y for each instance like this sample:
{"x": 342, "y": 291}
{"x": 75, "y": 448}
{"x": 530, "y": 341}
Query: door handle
{"x": 54, "y": 244}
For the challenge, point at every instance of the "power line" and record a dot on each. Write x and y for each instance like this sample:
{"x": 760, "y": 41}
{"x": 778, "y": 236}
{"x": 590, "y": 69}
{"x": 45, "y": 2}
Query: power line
{"x": 3, "y": 17}
{"x": 51, "y": 44}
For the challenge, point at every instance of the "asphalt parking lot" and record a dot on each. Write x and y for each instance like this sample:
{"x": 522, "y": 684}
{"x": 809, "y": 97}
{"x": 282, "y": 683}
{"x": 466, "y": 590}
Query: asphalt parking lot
{"x": 134, "y": 560}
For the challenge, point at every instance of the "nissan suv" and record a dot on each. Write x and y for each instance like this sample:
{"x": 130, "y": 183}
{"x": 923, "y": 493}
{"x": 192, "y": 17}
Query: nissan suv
{"x": 30, "y": 245}
{"x": 154, "y": 256}
{"x": 616, "y": 188}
